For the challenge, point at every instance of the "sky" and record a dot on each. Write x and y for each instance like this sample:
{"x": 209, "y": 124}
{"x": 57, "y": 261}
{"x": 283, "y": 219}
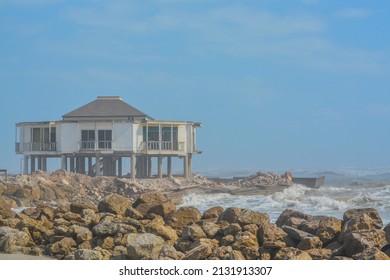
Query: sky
{"x": 277, "y": 84}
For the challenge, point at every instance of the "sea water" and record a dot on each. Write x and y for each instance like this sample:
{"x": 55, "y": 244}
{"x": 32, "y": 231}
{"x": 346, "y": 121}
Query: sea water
{"x": 339, "y": 193}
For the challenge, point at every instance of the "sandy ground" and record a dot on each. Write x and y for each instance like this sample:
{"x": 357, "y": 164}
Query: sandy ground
{"x": 22, "y": 257}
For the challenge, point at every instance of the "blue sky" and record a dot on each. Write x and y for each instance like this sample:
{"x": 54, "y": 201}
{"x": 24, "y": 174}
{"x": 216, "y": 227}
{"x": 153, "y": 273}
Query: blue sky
{"x": 278, "y": 84}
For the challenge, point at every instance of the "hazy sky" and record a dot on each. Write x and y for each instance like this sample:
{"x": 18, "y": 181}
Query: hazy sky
{"x": 277, "y": 84}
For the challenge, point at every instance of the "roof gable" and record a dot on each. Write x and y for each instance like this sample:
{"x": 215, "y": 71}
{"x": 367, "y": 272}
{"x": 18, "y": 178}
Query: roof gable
{"x": 106, "y": 107}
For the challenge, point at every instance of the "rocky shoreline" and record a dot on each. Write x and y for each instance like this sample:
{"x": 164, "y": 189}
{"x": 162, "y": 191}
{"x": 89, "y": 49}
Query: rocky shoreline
{"x": 99, "y": 218}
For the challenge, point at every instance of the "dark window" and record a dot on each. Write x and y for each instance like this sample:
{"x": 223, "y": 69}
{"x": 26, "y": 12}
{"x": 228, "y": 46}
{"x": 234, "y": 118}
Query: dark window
{"x": 88, "y": 139}
{"x": 105, "y": 139}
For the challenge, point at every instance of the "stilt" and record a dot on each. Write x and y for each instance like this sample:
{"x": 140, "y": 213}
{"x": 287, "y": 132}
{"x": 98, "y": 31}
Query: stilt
{"x": 189, "y": 166}
{"x": 159, "y": 166}
{"x": 44, "y": 164}
{"x": 169, "y": 166}
{"x": 63, "y": 162}
{"x": 32, "y": 164}
{"x": 40, "y": 163}
{"x": 97, "y": 165}
{"x": 25, "y": 167}
{"x": 71, "y": 159}
{"x": 185, "y": 166}
{"x": 90, "y": 166}
{"x": 150, "y": 165}
{"x": 132, "y": 167}
{"x": 120, "y": 167}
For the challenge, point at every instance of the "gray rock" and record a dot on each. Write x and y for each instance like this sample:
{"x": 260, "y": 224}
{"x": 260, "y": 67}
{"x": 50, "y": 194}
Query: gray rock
{"x": 143, "y": 246}
{"x": 85, "y": 254}
{"x": 296, "y": 233}
{"x": 105, "y": 229}
{"x": 357, "y": 241}
{"x": 193, "y": 233}
{"x": 11, "y": 238}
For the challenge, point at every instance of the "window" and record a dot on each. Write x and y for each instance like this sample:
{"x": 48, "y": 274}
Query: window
{"x": 105, "y": 139}
{"x": 88, "y": 139}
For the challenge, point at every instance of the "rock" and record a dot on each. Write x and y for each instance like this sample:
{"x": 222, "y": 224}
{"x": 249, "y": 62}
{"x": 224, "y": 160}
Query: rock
{"x": 147, "y": 200}
{"x": 291, "y": 254}
{"x": 183, "y": 217}
{"x": 373, "y": 254}
{"x": 213, "y": 213}
{"x": 62, "y": 247}
{"x": 308, "y": 243}
{"x": 78, "y": 207}
{"x": 320, "y": 254}
{"x": 387, "y": 232}
{"x": 47, "y": 212}
{"x": 164, "y": 209}
{"x": 336, "y": 247}
{"x": 246, "y": 242}
{"x": 133, "y": 213}
{"x": 106, "y": 243}
{"x": 232, "y": 229}
{"x": 115, "y": 204}
{"x": 11, "y": 239}
{"x": 270, "y": 233}
{"x": 166, "y": 232}
{"x": 210, "y": 229}
{"x": 357, "y": 241}
{"x": 244, "y": 216}
{"x": 227, "y": 253}
{"x": 143, "y": 246}
{"x": 296, "y": 233}
{"x": 193, "y": 232}
{"x": 119, "y": 253}
{"x": 328, "y": 229}
{"x": 84, "y": 254}
{"x": 105, "y": 229}
{"x": 200, "y": 250}
{"x": 5, "y": 210}
{"x": 374, "y": 220}
{"x": 285, "y": 217}
{"x": 168, "y": 252}
{"x": 309, "y": 227}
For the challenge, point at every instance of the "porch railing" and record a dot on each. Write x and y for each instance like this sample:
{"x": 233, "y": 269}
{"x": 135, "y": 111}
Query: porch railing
{"x": 38, "y": 146}
{"x": 95, "y": 145}
{"x": 162, "y": 146}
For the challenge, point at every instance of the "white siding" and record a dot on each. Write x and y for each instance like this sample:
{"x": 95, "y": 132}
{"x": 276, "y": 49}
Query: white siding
{"x": 182, "y": 136}
{"x": 70, "y": 137}
{"x": 138, "y": 136}
{"x": 123, "y": 136}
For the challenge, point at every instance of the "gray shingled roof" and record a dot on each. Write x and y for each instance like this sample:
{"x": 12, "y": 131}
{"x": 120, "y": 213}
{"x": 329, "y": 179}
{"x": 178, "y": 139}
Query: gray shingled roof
{"x": 106, "y": 106}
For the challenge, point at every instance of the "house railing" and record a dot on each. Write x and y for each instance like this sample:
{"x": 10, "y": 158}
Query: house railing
{"x": 162, "y": 146}
{"x": 37, "y": 147}
{"x": 95, "y": 145}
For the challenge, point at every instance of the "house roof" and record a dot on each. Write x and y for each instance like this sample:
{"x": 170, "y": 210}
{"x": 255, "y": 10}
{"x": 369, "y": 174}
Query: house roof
{"x": 106, "y": 107}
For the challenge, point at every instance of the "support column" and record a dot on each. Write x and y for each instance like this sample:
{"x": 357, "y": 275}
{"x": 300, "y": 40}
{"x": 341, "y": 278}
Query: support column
{"x": 63, "y": 162}
{"x": 81, "y": 165}
{"x": 32, "y": 165}
{"x": 159, "y": 167}
{"x": 169, "y": 166}
{"x": 44, "y": 164}
{"x": 189, "y": 165}
{"x": 185, "y": 166}
{"x": 25, "y": 165}
{"x": 90, "y": 166}
{"x": 97, "y": 165}
{"x": 132, "y": 168}
{"x": 71, "y": 164}
{"x": 150, "y": 165}
{"x": 40, "y": 163}
{"x": 113, "y": 166}
{"x": 120, "y": 167}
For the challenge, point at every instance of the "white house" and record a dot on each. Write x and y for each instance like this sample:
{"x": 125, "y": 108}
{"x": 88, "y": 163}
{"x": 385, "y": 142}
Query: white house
{"x": 95, "y": 138}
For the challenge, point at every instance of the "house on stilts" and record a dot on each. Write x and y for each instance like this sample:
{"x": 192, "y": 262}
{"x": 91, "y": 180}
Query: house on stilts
{"x": 98, "y": 137}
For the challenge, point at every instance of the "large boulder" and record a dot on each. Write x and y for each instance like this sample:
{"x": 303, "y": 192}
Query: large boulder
{"x": 289, "y": 253}
{"x": 244, "y": 216}
{"x": 115, "y": 204}
{"x": 183, "y": 217}
{"x": 168, "y": 252}
{"x": 86, "y": 254}
{"x": 193, "y": 232}
{"x": 166, "y": 232}
{"x": 147, "y": 200}
{"x": 328, "y": 229}
{"x": 105, "y": 229}
{"x": 62, "y": 247}
{"x": 11, "y": 239}
{"x": 78, "y": 207}
{"x": 5, "y": 210}
{"x": 387, "y": 232}
{"x": 213, "y": 213}
{"x": 143, "y": 246}
{"x": 285, "y": 217}
{"x": 296, "y": 234}
{"x": 270, "y": 233}
{"x": 371, "y": 217}
{"x": 163, "y": 209}
{"x": 357, "y": 241}
{"x": 373, "y": 254}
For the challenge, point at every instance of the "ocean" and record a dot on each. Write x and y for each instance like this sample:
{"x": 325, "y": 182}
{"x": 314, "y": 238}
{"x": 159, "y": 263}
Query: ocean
{"x": 341, "y": 191}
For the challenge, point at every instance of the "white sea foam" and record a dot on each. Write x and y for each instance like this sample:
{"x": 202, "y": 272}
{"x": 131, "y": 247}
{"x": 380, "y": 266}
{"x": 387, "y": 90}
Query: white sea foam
{"x": 330, "y": 201}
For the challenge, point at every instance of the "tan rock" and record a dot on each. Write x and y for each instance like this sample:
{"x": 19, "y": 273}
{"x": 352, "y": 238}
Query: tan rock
{"x": 291, "y": 254}
{"x": 244, "y": 216}
{"x": 193, "y": 232}
{"x": 308, "y": 243}
{"x": 213, "y": 212}
{"x": 163, "y": 209}
{"x": 328, "y": 229}
{"x": 357, "y": 241}
{"x": 372, "y": 254}
{"x": 115, "y": 204}
{"x": 166, "y": 232}
{"x": 183, "y": 217}
{"x": 143, "y": 246}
